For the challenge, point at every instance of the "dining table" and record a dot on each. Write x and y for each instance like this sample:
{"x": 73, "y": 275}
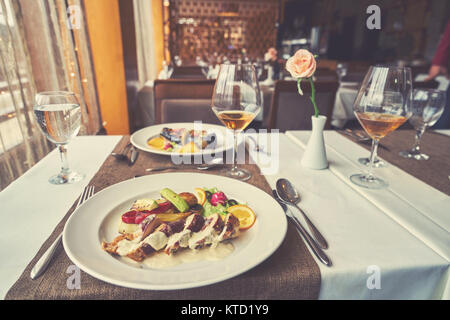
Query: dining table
{"x": 392, "y": 243}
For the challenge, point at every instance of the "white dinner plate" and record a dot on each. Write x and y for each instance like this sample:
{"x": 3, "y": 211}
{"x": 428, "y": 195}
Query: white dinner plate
{"x": 97, "y": 219}
{"x": 224, "y": 139}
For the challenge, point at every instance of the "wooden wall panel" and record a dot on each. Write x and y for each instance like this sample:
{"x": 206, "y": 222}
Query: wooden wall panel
{"x": 158, "y": 34}
{"x": 103, "y": 21}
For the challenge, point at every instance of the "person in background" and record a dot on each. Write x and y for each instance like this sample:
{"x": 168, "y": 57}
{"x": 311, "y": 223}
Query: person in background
{"x": 439, "y": 66}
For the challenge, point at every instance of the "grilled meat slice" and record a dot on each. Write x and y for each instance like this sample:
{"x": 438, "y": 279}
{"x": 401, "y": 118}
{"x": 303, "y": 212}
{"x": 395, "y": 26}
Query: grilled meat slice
{"x": 169, "y": 228}
{"x": 180, "y": 239}
{"x": 194, "y": 222}
{"x": 141, "y": 252}
{"x": 207, "y": 235}
{"x": 171, "y": 235}
{"x": 231, "y": 228}
{"x": 165, "y": 228}
{"x": 135, "y": 246}
{"x": 111, "y": 247}
{"x": 177, "y": 241}
{"x": 154, "y": 242}
{"x": 177, "y": 226}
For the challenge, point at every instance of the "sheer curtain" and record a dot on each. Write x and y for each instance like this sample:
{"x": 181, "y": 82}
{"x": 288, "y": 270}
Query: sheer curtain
{"x": 144, "y": 110}
{"x": 44, "y": 46}
{"x": 145, "y": 42}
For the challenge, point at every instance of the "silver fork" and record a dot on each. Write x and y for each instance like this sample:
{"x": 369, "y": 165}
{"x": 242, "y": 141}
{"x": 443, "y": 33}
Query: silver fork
{"x": 44, "y": 261}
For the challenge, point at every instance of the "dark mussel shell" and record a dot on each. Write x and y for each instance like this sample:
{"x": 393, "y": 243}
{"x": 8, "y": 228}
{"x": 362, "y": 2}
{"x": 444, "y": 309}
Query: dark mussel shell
{"x": 168, "y": 134}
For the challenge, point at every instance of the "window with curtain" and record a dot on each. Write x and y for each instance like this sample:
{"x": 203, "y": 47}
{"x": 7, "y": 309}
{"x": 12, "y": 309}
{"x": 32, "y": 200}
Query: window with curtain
{"x": 44, "y": 46}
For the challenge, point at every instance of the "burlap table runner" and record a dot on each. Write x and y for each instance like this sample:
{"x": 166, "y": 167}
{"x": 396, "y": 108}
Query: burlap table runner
{"x": 290, "y": 273}
{"x": 434, "y": 171}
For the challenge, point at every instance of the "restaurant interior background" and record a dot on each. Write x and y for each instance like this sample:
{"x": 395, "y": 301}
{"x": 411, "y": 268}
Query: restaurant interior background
{"x": 125, "y": 58}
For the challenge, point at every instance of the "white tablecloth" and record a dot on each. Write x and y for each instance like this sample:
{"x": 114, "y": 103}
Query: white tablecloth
{"x": 362, "y": 236}
{"x": 31, "y": 207}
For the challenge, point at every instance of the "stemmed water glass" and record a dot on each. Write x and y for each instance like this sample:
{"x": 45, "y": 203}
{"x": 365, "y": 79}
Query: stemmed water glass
{"x": 236, "y": 102}
{"x": 427, "y": 108}
{"x": 382, "y": 105}
{"x": 58, "y": 114}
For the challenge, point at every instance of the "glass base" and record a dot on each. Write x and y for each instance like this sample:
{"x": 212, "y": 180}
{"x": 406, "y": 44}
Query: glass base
{"x": 414, "y": 155}
{"x": 376, "y": 164}
{"x": 69, "y": 178}
{"x": 240, "y": 174}
{"x": 365, "y": 181}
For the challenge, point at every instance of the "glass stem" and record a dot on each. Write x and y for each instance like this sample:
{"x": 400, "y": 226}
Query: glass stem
{"x": 419, "y": 133}
{"x": 235, "y": 135}
{"x": 65, "y": 170}
{"x": 373, "y": 157}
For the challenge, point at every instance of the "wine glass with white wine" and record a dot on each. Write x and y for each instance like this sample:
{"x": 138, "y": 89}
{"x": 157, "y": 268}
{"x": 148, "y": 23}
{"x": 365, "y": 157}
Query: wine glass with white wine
{"x": 58, "y": 114}
{"x": 383, "y": 104}
{"x": 236, "y": 102}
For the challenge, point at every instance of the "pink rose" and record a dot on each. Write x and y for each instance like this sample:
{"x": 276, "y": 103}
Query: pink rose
{"x": 302, "y": 64}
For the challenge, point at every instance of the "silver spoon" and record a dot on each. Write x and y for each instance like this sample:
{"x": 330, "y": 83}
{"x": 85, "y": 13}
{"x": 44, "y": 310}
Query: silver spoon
{"x": 288, "y": 193}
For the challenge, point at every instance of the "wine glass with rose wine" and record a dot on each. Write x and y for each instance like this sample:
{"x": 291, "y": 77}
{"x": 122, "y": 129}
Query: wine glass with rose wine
{"x": 236, "y": 102}
{"x": 383, "y": 104}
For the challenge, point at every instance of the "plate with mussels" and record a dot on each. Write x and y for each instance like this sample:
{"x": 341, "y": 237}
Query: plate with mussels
{"x": 182, "y": 138}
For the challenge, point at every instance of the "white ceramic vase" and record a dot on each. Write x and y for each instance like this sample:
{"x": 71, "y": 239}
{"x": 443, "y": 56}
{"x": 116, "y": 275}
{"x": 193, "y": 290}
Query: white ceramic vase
{"x": 315, "y": 156}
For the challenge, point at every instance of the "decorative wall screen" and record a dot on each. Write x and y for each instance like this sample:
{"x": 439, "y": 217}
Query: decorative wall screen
{"x": 204, "y": 27}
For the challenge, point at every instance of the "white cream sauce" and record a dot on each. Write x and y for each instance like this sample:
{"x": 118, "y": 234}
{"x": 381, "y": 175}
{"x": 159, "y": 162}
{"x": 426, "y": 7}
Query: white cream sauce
{"x": 126, "y": 246}
{"x": 161, "y": 260}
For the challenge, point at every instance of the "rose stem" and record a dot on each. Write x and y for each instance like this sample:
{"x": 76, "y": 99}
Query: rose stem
{"x": 313, "y": 97}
